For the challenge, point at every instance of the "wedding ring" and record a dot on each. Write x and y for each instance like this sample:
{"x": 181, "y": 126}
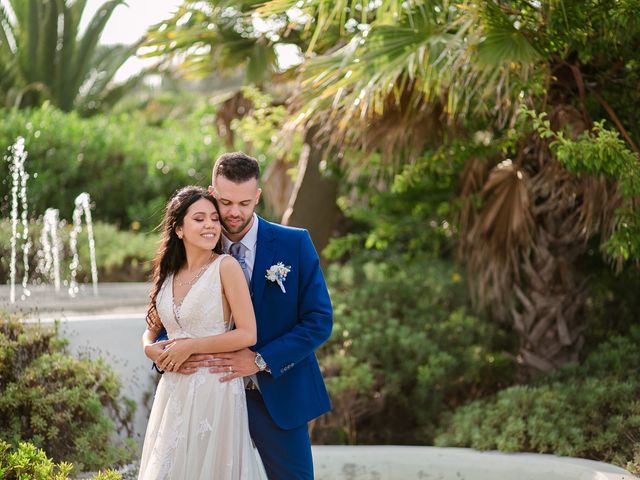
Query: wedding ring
{"x": 230, "y": 370}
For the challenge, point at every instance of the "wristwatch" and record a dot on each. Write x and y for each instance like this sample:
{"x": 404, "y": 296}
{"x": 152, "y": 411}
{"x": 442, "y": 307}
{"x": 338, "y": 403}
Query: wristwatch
{"x": 260, "y": 363}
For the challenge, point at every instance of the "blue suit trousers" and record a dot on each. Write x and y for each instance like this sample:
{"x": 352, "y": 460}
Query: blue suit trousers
{"x": 286, "y": 454}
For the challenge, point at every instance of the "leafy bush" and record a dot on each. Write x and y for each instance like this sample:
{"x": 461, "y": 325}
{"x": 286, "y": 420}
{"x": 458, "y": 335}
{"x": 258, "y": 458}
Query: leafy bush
{"x": 120, "y": 255}
{"x": 128, "y": 167}
{"x": 70, "y": 408}
{"x": 29, "y": 462}
{"x": 613, "y": 302}
{"x": 590, "y": 410}
{"x": 405, "y": 349}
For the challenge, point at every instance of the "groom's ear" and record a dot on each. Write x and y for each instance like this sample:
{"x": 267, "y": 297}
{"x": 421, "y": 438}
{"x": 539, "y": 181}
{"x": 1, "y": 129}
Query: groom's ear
{"x": 258, "y": 195}
{"x": 211, "y": 190}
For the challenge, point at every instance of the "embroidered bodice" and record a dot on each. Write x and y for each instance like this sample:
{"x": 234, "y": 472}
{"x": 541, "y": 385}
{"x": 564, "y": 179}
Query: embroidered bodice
{"x": 201, "y": 313}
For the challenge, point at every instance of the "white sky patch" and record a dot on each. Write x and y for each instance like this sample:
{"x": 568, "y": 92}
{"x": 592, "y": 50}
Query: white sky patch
{"x": 289, "y": 55}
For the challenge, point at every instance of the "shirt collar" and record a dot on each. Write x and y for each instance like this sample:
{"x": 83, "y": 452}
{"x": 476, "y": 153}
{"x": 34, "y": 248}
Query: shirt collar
{"x": 249, "y": 240}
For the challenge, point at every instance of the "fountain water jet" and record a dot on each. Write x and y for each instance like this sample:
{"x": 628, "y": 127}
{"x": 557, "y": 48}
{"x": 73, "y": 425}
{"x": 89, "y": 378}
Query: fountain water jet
{"x": 19, "y": 178}
{"x": 51, "y": 246}
{"x": 82, "y": 206}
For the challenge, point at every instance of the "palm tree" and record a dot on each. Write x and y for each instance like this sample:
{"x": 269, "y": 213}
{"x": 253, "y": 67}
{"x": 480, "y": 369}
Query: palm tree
{"x": 396, "y": 76}
{"x": 403, "y": 73}
{"x": 43, "y": 57}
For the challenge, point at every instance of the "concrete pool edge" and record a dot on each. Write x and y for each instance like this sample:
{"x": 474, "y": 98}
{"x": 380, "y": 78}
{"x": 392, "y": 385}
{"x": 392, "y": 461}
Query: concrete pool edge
{"x": 445, "y": 463}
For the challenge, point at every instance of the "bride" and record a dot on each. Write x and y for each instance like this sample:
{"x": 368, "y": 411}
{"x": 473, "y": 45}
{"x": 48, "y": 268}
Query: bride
{"x": 198, "y": 426}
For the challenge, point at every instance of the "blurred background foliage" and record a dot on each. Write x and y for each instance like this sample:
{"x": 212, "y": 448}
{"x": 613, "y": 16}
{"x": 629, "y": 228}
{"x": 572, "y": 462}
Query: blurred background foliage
{"x": 469, "y": 170}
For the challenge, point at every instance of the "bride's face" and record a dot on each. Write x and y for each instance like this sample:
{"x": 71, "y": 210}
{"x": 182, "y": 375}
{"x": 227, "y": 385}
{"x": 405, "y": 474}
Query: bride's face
{"x": 201, "y": 226}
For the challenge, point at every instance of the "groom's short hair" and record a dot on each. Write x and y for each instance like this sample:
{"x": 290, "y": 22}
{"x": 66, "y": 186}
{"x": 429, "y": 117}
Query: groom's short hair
{"x": 237, "y": 167}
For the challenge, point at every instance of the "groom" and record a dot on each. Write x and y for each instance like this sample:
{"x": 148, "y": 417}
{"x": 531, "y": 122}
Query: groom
{"x": 284, "y": 387}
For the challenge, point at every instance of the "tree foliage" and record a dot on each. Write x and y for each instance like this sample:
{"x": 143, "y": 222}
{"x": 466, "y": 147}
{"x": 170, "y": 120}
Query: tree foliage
{"x": 214, "y": 36}
{"x": 403, "y": 77}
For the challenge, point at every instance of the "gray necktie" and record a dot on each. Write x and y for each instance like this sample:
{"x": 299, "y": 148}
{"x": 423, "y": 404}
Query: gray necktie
{"x": 238, "y": 250}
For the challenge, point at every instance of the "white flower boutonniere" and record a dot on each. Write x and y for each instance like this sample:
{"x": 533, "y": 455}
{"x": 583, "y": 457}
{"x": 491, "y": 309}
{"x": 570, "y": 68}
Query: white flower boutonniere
{"x": 278, "y": 273}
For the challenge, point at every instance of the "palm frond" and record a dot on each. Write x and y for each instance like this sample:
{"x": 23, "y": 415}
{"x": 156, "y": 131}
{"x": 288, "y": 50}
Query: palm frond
{"x": 32, "y": 40}
{"x": 90, "y": 39}
{"x": 48, "y": 43}
{"x": 205, "y": 38}
{"x": 7, "y": 35}
{"x": 70, "y": 23}
{"x": 502, "y": 42}
{"x": 42, "y": 57}
{"x": 100, "y": 99}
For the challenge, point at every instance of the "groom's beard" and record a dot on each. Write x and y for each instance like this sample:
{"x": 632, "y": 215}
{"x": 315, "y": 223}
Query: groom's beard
{"x": 233, "y": 229}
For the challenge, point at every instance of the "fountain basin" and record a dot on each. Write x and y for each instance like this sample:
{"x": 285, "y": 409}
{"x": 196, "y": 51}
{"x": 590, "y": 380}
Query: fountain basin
{"x": 433, "y": 463}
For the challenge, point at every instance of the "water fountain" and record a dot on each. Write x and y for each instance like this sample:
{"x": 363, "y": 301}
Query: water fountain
{"x": 19, "y": 178}
{"x": 51, "y": 246}
{"x": 83, "y": 204}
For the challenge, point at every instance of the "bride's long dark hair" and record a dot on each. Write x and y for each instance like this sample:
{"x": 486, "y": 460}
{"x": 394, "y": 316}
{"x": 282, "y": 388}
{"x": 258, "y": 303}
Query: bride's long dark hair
{"x": 171, "y": 255}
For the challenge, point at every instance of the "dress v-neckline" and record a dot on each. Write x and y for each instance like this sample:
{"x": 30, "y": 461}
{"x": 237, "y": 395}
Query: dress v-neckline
{"x": 173, "y": 302}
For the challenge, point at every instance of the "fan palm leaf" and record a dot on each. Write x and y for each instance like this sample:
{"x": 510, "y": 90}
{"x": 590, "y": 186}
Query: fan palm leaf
{"x": 445, "y": 56}
{"x": 213, "y": 36}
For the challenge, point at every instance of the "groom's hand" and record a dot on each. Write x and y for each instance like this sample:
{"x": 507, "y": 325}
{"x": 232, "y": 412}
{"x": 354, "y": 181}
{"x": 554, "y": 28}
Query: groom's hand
{"x": 237, "y": 364}
{"x": 196, "y": 361}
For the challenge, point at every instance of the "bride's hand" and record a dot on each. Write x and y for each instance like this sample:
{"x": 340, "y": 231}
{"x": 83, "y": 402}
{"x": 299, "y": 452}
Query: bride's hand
{"x": 154, "y": 350}
{"x": 175, "y": 353}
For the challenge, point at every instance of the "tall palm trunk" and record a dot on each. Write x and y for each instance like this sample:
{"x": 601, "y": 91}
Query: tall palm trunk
{"x": 523, "y": 245}
{"x": 312, "y": 204}
{"x": 550, "y": 290}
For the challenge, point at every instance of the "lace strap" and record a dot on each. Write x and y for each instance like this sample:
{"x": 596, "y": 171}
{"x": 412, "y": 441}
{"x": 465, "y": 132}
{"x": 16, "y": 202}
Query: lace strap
{"x": 218, "y": 284}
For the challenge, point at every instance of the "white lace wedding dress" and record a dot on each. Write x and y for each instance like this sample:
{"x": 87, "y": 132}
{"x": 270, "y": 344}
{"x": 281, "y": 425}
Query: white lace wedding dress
{"x": 198, "y": 427}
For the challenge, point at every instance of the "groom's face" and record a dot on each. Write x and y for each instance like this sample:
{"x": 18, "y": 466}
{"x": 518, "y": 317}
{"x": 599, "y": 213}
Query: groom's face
{"x": 237, "y": 202}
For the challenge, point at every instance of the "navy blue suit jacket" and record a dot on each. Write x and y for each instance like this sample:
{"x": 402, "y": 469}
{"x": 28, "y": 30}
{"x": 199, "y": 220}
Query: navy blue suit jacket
{"x": 291, "y": 325}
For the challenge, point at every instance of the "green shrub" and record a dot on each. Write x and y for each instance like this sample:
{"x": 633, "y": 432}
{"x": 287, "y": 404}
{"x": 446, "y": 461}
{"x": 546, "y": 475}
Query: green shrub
{"x": 27, "y": 462}
{"x": 120, "y": 255}
{"x": 70, "y": 408}
{"x": 405, "y": 349}
{"x": 590, "y": 410}
{"x": 128, "y": 167}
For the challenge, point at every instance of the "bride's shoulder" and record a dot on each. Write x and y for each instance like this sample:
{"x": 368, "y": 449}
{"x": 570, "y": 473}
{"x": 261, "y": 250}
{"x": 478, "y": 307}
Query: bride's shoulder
{"x": 231, "y": 271}
{"x": 228, "y": 264}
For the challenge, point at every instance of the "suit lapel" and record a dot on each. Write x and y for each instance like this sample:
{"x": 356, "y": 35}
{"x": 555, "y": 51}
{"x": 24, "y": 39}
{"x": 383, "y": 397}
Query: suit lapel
{"x": 265, "y": 251}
